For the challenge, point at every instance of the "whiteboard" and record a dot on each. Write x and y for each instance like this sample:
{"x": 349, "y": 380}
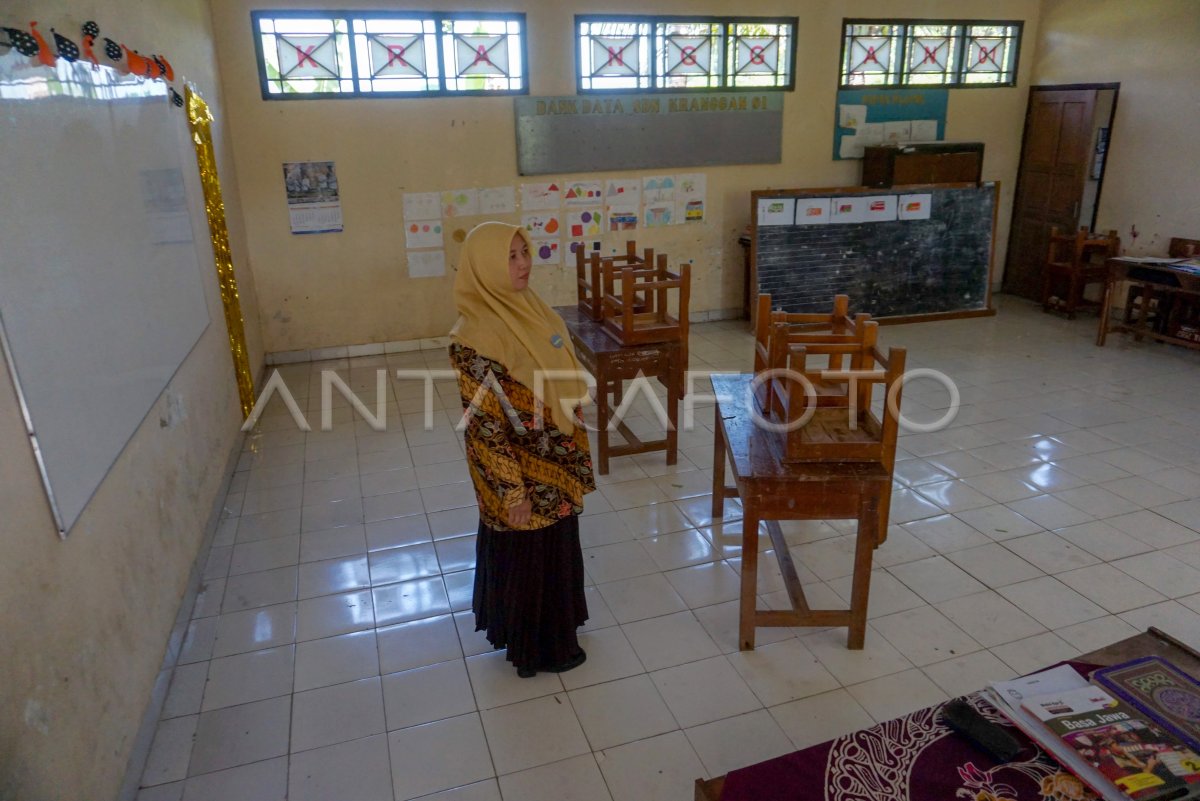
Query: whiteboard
{"x": 101, "y": 293}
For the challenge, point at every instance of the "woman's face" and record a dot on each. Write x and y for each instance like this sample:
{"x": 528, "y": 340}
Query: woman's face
{"x": 519, "y": 262}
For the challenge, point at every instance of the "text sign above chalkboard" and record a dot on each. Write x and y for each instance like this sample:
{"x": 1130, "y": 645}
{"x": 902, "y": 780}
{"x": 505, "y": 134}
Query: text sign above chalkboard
{"x": 647, "y": 131}
{"x": 899, "y": 252}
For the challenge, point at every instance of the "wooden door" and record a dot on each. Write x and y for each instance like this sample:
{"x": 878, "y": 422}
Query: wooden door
{"x": 1054, "y": 163}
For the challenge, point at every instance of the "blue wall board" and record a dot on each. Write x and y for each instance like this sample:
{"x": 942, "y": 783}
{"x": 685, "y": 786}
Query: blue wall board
{"x": 887, "y": 116}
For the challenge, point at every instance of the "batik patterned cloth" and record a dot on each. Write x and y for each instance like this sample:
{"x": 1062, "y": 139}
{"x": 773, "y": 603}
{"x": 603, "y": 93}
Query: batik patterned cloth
{"x": 509, "y": 465}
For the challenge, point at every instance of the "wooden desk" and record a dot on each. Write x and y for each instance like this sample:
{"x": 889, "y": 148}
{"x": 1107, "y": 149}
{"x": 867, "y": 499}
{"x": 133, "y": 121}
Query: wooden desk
{"x": 1152, "y": 642}
{"x": 1161, "y": 281}
{"x": 771, "y": 490}
{"x": 611, "y": 364}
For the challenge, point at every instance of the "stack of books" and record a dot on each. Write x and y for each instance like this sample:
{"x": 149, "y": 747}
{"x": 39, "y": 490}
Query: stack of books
{"x": 1133, "y": 732}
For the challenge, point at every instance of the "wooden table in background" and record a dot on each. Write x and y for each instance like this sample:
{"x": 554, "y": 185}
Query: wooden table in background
{"x": 1156, "y": 281}
{"x": 612, "y": 364}
{"x": 771, "y": 490}
{"x": 1152, "y": 642}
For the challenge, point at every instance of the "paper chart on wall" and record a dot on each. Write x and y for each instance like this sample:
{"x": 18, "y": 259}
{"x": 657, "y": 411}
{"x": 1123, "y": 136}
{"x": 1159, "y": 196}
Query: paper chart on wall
{"x": 583, "y": 193}
{"x": 879, "y": 208}
{"x": 776, "y": 211}
{"x": 423, "y": 234}
{"x": 546, "y": 251}
{"x": 848, "y": 210}
{"x": 852, "y": 115}
{"x": 585, "y": 223}
{"x": 623, "y": 192}
{"x": 422, "y": 205}
{"x": 897, "y": 132}
{"x": 690, "y": 190}
{"x": 540, "y": 196}
{"x": 588, "y": 246}
{"x": 924, "y": 130}
{"x": 497, "y": 200}
{"x": 812, "y": 211}
{"x": 460, "y": 203}
{"x": 657, "y": 215}
{"x": 915, "y": 207}
{"x": 542, "y": 224}
{"x": 622, "y": 218}
{"x": 426, "y": 263}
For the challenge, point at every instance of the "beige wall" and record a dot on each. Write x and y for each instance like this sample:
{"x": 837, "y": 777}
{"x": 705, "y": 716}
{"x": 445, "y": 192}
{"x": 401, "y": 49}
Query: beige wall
{"x": 1149, "y": 48}
{"x": 351, "y": 288}
{"x": 86, "y": 620}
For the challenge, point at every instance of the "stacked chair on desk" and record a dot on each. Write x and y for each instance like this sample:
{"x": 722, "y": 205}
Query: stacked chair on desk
{"x": 841, "y": 426}
{"x": 1072, "y": 262}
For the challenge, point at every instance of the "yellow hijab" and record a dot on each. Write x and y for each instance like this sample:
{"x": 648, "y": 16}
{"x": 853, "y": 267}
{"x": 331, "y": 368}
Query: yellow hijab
{"x": 515, "y": 328}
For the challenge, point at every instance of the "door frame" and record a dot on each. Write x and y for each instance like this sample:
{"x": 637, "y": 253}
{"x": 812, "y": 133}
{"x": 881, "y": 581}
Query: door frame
{"x": 1061, "y": 87}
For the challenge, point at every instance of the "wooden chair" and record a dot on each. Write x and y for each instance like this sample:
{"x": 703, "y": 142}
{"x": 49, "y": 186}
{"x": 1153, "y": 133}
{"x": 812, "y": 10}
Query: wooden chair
{"x": 1162, "y": 310}
{"x": 1069, "y": 268}
{"x": 636, "y": 302}
{"x": 771, "y": 341}
{"x": 589, "y": 271}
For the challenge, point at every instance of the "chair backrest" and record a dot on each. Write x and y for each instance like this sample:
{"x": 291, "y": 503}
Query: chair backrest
{"x": 1181, "y": 248}
{"x": 1075, "y": 249}
{"x": 590, "y": 283}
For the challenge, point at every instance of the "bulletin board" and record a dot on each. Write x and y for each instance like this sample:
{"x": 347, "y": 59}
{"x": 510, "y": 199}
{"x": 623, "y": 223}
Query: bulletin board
{"x": 102, "y": 295}
{"x": 908, "y": 252}
{"x": 887, "y": 116}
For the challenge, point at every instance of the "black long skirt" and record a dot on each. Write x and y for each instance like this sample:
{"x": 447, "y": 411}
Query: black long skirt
{"x": 529, "y": 592}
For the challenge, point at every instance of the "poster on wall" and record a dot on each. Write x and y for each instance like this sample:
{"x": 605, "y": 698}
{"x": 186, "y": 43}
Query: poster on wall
{"x": 426, "y": 263}
{"x": 867, "y": 117}
{"x": 312, "y": 197}
{"x": 690, "y": 189}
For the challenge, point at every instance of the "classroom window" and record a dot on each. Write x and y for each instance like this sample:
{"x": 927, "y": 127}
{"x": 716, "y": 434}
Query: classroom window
{"x": 684, "y": 53}
{"x": 374, "y": 54}
{"x": 892, "y": 53}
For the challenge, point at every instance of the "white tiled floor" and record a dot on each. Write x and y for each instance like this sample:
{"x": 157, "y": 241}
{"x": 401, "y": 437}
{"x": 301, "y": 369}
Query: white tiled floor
{"x": 332, "y": 653}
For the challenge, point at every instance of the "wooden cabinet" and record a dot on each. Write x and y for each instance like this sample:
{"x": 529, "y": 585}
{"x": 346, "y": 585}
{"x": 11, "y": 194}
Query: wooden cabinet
{"x": 948, "y": 162}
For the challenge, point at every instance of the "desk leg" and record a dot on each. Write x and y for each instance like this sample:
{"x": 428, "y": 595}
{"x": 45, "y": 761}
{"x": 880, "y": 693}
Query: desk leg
{"x": 1105, "y": 310}
{"x": 749, "y": 604}
{"x": 673, "y": 385}
{"x": 860, "y": 590}
{"x": 602, "y": 414}
{"x": 718, "y": 496}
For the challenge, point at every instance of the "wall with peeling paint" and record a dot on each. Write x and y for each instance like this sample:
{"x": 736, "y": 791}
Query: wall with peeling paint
{"x": 86, "y": 620}
{"x": 352, "y": 287}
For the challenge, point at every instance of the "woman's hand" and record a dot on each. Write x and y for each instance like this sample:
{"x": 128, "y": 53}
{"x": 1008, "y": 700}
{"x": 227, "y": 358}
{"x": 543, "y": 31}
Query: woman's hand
{"x": 519, "y": 515}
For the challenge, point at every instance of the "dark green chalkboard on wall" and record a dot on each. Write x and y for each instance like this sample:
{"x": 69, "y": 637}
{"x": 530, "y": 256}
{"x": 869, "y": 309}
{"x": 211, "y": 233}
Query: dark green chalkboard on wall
{"x": 934, "y": 266}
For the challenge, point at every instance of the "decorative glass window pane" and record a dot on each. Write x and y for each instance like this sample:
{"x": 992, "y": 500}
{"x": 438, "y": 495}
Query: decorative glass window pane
{"x": 991, "y": 54}
{"x": 614, "y": 55}
{"x": 309, "y": 55}
{"x": 870, "y": 54}
{"x": 482, "y": 55}
{"x": 760, "y": 54}
{"x": 932, "y": 53}
{"x": 689, "y": 55}
{"x": 393, "y": 55}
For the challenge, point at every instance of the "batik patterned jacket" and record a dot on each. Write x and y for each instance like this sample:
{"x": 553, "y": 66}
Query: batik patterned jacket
{"x": 508, "y": 466}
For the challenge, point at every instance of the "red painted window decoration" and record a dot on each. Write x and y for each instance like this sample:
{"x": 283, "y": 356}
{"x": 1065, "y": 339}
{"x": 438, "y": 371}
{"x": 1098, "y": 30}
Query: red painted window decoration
{"x": 387, "y": 55}
{"x": 929, "y": 53}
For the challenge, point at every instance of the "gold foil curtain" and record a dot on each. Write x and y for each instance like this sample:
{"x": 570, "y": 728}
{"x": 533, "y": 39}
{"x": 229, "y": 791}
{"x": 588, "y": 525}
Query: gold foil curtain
{"x": 200, "y": 123}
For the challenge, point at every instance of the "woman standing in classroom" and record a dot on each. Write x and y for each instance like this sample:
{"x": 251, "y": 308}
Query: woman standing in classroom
{"x": 528, "y": 457}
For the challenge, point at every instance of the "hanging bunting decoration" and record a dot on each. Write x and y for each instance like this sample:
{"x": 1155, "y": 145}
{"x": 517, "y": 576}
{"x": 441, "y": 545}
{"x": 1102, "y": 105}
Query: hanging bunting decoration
{"x": 45, "y": 55}
{"x": 176, "y": 98}
{"x": 25, "y": 44}
{"x": 66, "y": 49}
{"x": 112, "y": 50}
{"x": 90, "y": 31}
{"x": 165, "y": 67}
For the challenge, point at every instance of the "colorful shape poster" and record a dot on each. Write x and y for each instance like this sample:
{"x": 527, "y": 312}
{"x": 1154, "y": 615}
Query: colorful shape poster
{"x": 915, "y": 207}
{"x": 583, "y": 193}
{"x": 312, "y": 197}
{"x": 497, "y": 200}
{"x": 460, "y": 203}
{"x": 540, "y": 196}
{"x": 776, "y": 211}
{"x": 585, "y": 223}
{"x": 879, "y": 208}
{"x": 690, "y": 190}
{"x": 588, "y": 246}
{"x": 622, "y": 218}
{"x": 623, "y": 192}
{"x": 426, "y": 263}
{"x": 423, "y": 234}
{"x": 546, "y": 251}
{"x": 542, "y": 224}
{"x": 422, "y": 205}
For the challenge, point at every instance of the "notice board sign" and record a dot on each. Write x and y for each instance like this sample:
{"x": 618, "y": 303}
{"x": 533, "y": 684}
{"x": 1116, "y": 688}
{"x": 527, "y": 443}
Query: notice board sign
{"x": 647, "y": 131}
{"x": 906, "y": 252}
{"x": 868, "y": 117}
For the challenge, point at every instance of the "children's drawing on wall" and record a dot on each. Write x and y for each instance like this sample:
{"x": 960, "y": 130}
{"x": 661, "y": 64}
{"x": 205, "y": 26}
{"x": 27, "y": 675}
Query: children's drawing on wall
{"x": 540, "y": 196}
{"x": 588, "y": 246}
{"x": 497, "y": 200}
{"x": 583, "y": 193}
{"x": 658, "y": 193}
{"x": 423, "y": 233}
{"x": 426, "y": 264}
{"x": 312, "y": 195}
{"x": 460, "y": 203}
{"x": 690, "y": 190}
{"x": 622, "y": 218}
{"x": 623, "y": 192}
{"x": 422, "y": 205}
{"x": 542, "y": 224}
{"x": 585, "y": 223}
{"x": 546, "y": 251}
